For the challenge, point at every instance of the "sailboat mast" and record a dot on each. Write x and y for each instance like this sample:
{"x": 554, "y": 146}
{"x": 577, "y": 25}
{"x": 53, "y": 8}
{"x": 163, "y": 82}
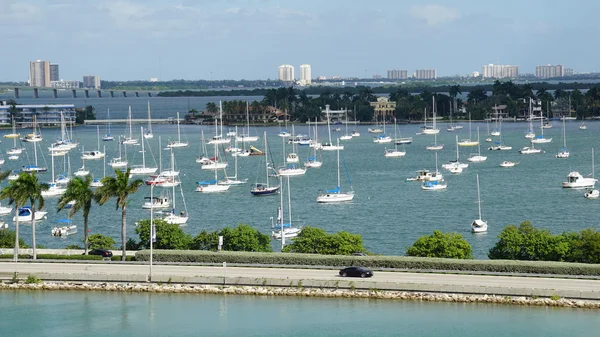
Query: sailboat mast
{"x": 328, "y": 127}
{"x": 247, "y": 120}
{"x": 289, "y": 203}
{"x": 434, "y": 112}
{"x": 457, "y": 148}
{"x": 159, "y": 154}
{"x": 98, "y": 137}
{"x": 478, "y": 143}
{"x": 108, "y": 113}
{"x": 35, "y": 152}
{"x": 280, "y": 212}
{"x": 129, "y": 120}
{"x": 216, "y": 162}
{"x": 338, "y": 163}
{"x": 104, "y": 160}
{"x": 478, "y": 197}
{"x": 52, "y": 155}
{"x": 216, "y": 123}
{"x": 149, "y": 123}
{"x": 178, "y": 131}
{"x": 564, "y": 134}
{"x": 143, "y": 151}
{"x": 267, "y": 159}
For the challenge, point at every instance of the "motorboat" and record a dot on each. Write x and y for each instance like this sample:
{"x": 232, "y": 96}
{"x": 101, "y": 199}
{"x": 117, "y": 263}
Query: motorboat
{"x": 156, "y": 202}
{"x": 468, "y": 142}
{"x": 33, "y": 169}
{"x": 32, "y": 138}
{"x": 592, "y": 194}
{"x": 403, "y": 141}
{"x": 576, "y": 180}
{"x": 426, "y": 175}
{"x": 176, "y": 219}
{"x": 214, "y": 165}
{"x": 508, "y": 164}
{"x": 499, "y": 147}
{"x": 564, "y": 153}
{"x": 530, "y": 150}
{"x": 4, "y": 210}
{"x": 393, "y": 153}
{"x": 288, "y": 232}
{"x": 355, "y": 133}
{"x": 117, "y": 163}
{"x": 65, "y": 230}
{"x": 477, "y": 158}
{"x": 292, "y": 158}
{"x": 375, "y": 130}
{"x": 90, "y": 155}
{"x": 434, "y": 185}
{"x": 25, "y": 214}
{"x": 332, "y": 147}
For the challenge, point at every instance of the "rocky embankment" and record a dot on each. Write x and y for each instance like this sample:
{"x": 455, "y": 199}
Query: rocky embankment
{"x": 301, "y": 292}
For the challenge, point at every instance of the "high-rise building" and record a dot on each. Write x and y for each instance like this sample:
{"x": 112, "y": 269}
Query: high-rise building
{"x": 500, "y": 71}
{"x": 54, "y": 74}
{"x": 568, "y": 71}
{"x": 395, "y": 74}
{"x": 285, "y": 73}
{"x": 425, "y": 74}
{"x": 91, "y": 81}
{"x": 39, "y": 73}
{"x": 549, "y": 71}
{"x": 305, "y": 75}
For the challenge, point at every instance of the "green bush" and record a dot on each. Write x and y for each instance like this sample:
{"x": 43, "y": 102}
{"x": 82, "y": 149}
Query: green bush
{"x": 168, "y": 236}
{"x": 68, "y": 257}
{"x": 316, "y": 241}
{"x": 32, "y": 279}
{"x": 241, "y": 238}
{"x": 442, "y": 245}
{"x": 396, "y": 262}
{"x": 7, "y": 239}
{"x": 99, "y": 241}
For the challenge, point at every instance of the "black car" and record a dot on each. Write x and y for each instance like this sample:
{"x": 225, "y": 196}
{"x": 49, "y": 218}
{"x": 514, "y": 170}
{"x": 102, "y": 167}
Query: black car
{"x": 101, "y": 252}
{"x": 356, "y": 272}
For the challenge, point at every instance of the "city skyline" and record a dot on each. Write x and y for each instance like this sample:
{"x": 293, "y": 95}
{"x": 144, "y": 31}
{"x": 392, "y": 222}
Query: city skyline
{"x": 139, "y": 40}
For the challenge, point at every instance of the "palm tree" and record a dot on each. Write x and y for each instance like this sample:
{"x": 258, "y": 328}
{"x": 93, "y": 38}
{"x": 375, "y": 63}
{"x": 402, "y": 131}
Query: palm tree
{"x": 79, "y": 190}
{"x": 121, "y": 188}
{"x": 454, "y": 90}
{"x": 26, "y": 188}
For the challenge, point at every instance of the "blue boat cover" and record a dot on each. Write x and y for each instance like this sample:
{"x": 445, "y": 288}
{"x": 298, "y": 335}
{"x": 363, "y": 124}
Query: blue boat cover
{"x": 430, "y": 183}
{"x": 210, "y": 182}
{"x": 336, "y": 190}
{"x": 63, "y": 220}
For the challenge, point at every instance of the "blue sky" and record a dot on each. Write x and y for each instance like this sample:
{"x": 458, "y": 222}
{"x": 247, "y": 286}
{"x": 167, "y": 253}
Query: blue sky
{"x": 235, "y": 39}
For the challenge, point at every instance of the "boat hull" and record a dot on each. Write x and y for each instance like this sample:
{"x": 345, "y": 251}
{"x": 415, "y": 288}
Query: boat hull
{"x": 331, "y": 198}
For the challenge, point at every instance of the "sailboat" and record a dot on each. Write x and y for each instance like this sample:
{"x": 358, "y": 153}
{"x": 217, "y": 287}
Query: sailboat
{"x": 433, "y": 182}
{"x": 435, "y": 146}
{"x": 336, "y": 195}
{"x": 148, "y": 133}
{"x": 15, "y": 151}
{"x": 530, "y": 149}
{"x": 469, "y": 142}
{"x": 383, "y": 138}
{"x": 529, "y": 134}
{"x": 265, "y": 188}
{"x": 130, "y": 140}
{"x": 576, "y": 180}
{"x": 394, "y": 153}
{"x": 496, "y": 131}
{"x": 82, "y": 171}
{"x": 281, "y": 230}
{"x": 108, "y": 137}
{"x": 355, "y": 132}
{"x": 478, "y": 225}
{"x": 500, "y": 146}
{"x": 34, "y": 168}
{"x": 451, "y": 128}
{"x": 329, "y": 146}
{"x": 292, "y": 157}
{"x": 233, "y": 180}
{"x": 431, "y": 130}
{"x": 177, "y": 143}
{"x": 582, "y": 126}
{"x": 212, "y": 186}
{"x": 564, "y": 152}
{"x": 245, "y": 137}
{"x": 33, "y": 137}
{"x": 13, "y": 134}
{"x": 541, "y": 139}
{"x": 477, "y": 158}
{"x": 313, "y": 161}
{"x": 97, "y": 182}
{"x": 96, "y": 154}
{"x": 119, "y": 162}
{"x": 171, "y": 217}
{"x": 489, "y": 138}
{"x": 138, "y": 170}
{"x": 455, "y": 165}
{"x": 218, "y": 137}
{"x": 53, "y": 188}
{"x": 292, "y": 169}
{"x": 346, "y": 135}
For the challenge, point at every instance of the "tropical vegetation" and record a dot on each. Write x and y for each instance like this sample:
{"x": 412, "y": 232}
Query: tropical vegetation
{"x": 314, "y": 240}
{"x": 441, "y": 245}
{"x": 79, "y": 191}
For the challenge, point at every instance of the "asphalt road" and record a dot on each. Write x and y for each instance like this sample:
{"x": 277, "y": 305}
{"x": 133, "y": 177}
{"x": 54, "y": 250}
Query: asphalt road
{"x": 88, "y": 271}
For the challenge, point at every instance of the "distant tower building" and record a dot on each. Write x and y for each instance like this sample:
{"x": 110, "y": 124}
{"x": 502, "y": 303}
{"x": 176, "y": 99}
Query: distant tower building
{"x": 549, "y": 71}
{"x": 54, "y": 74}
{"x": 91, "y": 81}
{"x": 285, "y": 73}
{"x": 500, "y": 71}
{"x": 395, "y": 74}
{"x": 39, "y": 73}
{"x": 568, "y": 71}
{"x": 305, "y": 75}
{"x": 425, "y": 74}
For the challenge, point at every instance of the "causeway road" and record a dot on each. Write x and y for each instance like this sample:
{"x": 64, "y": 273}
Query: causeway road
{"x": 397, "y": 281}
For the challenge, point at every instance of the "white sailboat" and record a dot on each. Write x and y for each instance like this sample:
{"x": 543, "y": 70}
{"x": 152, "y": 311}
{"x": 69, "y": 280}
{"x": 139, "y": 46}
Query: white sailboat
{"x": 143, "y": 169}
{"x": 576, "y": 180}
{"x": 82, "y": 171}
{"x": 162, "y": 201}
{"x": 13, "y": 134}
{"x": 172, "y": 217}
{"x": 119, "y": 162}
{"x": 529, "y": 134}
{"x": 329, "y": 146}
{"x": 455, "y": 164}
{"x": 488, "y": 138}
{"x": 291, "y": 169}
{"x": 292, "y": 157}
{"x": 202, "y": 158}
{"x": 435, "y": 146}
{"x": 218, "y": 138}
{"x": 130, "y": 140}
{"x": 261, "y": 189}
{"x": 53, "y": 188}
{"x": 148, "y": 133}
{"x": 35, "y": 136}
{"x": 177, "y": 143}
{"x": 346, "y": 136}
{"x": 541, "y": 139}
{"x": 431, "y": 130}
{"x": 508, "y": 164}
{"x": 212, "y": 186}
{"x": 500, "y": 146}
{"x": 564, "y": 152}
{"x": 478, "y": 225}
{"x": 477, "y": 158}
{"x": 34, "y": 168}
{"x": 97, "y": 182}
{"x": 336, "y": 195}
{"x": 451, "y": 128}
{"x": 108, "y": 137}
{"x": 96, "y": 154}
{"x": 15, "y": 151}
{"x": 233, "y": 180}
{"x": 469, "y": 141}
{"x": 434, "y": 182}
{"x": 281, "y": 230}
{"x": 246, "y": 137}
{"x": 394, "y": 153}
{"x": 496, "y": 131}
{"x": 355, "y": 132}
{"x": 582, "y": 126}
{"x": 313, "y": 161}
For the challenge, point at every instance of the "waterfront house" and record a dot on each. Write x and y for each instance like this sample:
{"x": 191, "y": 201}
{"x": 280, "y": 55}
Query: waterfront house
{"x": 384, "y": 109}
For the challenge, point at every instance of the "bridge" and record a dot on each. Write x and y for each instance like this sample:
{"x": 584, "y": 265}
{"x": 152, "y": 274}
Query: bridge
{"x": 133, "y": 121}
{"x": 80, "y": 92}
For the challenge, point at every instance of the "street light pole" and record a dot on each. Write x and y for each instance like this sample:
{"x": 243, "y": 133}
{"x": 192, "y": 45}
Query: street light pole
{"x": 152, "y": 232}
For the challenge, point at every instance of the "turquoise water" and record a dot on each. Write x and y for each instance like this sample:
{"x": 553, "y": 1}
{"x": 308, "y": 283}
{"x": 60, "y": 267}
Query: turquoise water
{"x": 92, "y": 314}
{"x": 387, "y": 211}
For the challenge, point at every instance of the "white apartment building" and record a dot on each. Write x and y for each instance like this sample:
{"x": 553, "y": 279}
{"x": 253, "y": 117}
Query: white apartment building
{"x": 305, "y": 74}
{"x": 499, "y": 71}
{"x": 285, "y": 73}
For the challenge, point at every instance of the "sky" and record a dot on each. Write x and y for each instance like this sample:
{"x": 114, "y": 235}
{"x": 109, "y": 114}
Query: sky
{"x": 237, "y": 39}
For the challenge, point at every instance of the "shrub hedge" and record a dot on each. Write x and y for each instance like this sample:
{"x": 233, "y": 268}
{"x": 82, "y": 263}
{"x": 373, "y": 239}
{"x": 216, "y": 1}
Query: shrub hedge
{"x": 65, "y": 257}
{"x": 397, "y": 262}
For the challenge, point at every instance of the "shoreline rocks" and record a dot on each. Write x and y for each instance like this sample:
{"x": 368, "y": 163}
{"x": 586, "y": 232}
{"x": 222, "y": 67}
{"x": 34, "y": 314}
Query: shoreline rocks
{"x": 301, "y": 292}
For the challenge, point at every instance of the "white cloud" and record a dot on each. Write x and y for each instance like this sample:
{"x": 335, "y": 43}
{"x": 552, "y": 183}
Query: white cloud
{"x": 434, "y": 14}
